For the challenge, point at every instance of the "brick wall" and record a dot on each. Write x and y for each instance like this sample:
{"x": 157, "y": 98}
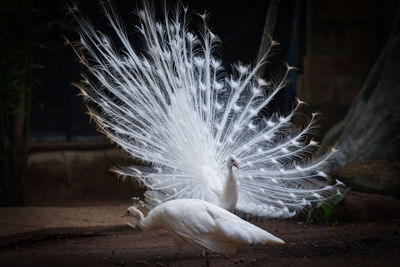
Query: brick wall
{"x": 344, "y": 39}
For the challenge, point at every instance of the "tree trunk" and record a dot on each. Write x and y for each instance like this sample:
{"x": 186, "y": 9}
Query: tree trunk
{"x": 269, "y": 27}
{"x": 15, "y": 142}
{"x": 370, "y": 129}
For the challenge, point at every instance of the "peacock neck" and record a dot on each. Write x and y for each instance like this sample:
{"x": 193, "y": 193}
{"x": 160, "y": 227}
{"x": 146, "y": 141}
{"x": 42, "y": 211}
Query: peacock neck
{"x": 229, "y": 196}
{"x": 149, "y": 222}
{"x": 142, "y": 221}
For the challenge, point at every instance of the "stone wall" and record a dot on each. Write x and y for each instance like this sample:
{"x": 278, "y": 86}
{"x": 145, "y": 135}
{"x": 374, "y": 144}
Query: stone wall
{"x": 344, "y": 38}
{"x": 76, "y": 176}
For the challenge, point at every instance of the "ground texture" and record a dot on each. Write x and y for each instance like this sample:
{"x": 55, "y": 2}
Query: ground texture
{"x": 348, "y": 244}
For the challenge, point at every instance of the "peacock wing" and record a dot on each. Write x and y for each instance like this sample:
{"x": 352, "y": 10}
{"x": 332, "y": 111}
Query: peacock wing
{"x": 212, "y": 228}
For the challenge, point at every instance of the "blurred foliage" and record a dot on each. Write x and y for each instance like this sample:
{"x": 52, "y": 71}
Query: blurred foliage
{"x": 11, "y": 53}
{"x": 19, "y": 33}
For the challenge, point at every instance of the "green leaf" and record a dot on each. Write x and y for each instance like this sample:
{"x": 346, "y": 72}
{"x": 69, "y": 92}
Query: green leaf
{"x": 308, "y": 217}
{"x": 328, "y": 211}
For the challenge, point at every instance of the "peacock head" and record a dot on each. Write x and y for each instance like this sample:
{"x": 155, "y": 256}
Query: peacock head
{"x": 232, "y": 161}
{"x": 133, "y": 211}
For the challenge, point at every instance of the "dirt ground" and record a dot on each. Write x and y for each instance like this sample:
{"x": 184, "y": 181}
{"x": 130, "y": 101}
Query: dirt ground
{"x": 349, "y": 244}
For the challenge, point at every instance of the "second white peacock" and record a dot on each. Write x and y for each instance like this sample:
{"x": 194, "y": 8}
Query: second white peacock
{"x": 173, "y": 106}
{"x": 203, "y": 225}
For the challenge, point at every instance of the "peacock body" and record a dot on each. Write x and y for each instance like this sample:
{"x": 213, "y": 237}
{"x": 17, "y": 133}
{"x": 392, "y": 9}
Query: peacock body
{"x": 173, "y": 106}
{"x": 203, "y": 225}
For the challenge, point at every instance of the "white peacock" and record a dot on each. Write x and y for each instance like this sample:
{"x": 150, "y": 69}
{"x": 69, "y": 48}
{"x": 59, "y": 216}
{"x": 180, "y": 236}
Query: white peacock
{"x": 203, "y": 225}
{"x": 172, "y": 105}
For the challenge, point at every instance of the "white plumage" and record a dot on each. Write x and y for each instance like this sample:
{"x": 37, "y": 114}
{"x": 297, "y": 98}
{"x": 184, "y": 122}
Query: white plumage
{"x": 172, "y": 105}
{"x": 203, "y": 225}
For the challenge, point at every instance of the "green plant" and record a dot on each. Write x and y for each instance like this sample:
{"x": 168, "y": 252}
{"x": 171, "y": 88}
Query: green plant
{"x": 329, "y": 208}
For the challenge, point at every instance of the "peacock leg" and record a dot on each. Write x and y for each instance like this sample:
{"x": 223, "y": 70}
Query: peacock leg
{"x": 206, "y": 254}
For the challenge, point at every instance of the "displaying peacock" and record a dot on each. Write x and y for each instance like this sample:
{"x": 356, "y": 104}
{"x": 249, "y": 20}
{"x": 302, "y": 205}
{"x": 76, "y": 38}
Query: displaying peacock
{"x": 173, "y": 106}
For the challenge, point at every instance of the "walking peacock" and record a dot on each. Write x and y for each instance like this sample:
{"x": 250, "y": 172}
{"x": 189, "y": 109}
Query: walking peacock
{"x": 201, "y": 224}
{"x": 172, "y": 105}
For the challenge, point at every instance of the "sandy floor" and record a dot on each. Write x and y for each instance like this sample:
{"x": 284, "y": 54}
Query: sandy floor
{"x": 19, "y": 220}
{"x": 359, "y": 244}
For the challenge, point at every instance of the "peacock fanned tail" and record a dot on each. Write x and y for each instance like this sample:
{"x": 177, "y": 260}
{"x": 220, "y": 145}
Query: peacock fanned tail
{"x": 173, "y": 106}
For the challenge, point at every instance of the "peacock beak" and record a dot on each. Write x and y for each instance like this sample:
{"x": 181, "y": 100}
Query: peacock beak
{"x": 235, "y": 164}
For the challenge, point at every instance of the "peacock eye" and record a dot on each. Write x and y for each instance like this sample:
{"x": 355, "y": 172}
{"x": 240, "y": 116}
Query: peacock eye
{"x": 128, "y": 211}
